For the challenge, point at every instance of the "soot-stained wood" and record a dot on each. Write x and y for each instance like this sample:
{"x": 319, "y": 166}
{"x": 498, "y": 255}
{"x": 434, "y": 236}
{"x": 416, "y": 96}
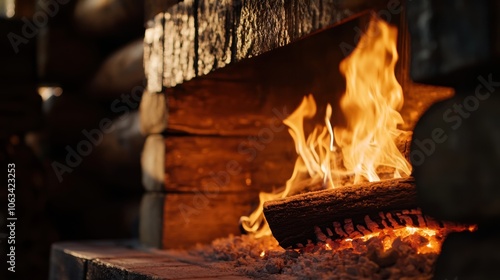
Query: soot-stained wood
{"x": 348, "y": 211}
{"x": 179, "y": 54}
{"x": 205, "y": 35}
{"x": 242, "y": 99}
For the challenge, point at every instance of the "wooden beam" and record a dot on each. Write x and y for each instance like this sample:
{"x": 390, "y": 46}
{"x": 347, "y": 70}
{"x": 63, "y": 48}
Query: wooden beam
{"x": 217, "y": 33}
{"x": 244, "y": 98}
{"x": 225, "y": 164}
{"x": 228, "y": 164}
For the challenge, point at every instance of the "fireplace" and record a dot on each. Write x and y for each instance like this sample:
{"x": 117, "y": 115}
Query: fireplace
{"x": 224, "y": 80}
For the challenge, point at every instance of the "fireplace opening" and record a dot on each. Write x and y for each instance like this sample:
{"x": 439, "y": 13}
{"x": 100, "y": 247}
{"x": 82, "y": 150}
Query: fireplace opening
{"x": 305, "y": 145}
{"x": 351, "y": 195}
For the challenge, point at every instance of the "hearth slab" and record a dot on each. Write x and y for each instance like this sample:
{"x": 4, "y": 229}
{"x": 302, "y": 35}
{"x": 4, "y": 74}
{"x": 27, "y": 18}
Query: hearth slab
{"x": 126, "y": 260}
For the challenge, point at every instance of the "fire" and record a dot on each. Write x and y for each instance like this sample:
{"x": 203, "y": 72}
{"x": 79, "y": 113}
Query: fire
{"x": 428, "y": 238}
{"x": 335, "y": 156}
{"x": 422, "y": 240}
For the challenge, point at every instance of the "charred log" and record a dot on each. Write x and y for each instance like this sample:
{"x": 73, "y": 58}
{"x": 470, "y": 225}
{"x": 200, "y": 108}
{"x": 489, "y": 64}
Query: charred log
{"x": 346, "y": 212}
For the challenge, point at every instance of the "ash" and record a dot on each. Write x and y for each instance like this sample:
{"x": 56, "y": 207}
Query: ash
{"x": 263, "y": 258}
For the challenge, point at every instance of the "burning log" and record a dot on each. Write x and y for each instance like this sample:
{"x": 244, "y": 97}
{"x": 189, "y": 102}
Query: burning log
{"x": 346, "y": 212}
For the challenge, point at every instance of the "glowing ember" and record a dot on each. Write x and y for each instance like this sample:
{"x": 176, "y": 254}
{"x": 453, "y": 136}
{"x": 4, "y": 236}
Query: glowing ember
{"x": 432, "y": 245}
{"x": 333, "y": 157}
{"x": 263, "y": 254}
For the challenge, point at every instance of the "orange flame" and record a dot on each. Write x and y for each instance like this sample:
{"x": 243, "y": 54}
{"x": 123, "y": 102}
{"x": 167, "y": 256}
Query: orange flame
{"x": 330, "y": 156}
{"x": 370, "y": 104}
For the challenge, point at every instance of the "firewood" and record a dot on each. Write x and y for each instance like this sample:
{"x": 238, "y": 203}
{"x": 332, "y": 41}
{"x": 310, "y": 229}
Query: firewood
{"x": 344, "y": 212}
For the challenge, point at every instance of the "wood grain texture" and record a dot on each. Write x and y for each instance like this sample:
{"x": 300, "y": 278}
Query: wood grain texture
{"x": 201, "y": 217}
{"x": 343, "y": 212}
{"x": 231, "y": 164}
{"x": 204, "y": 35}
{"x": 92, "y": 260}
{"x": 225, "y": 164}
{"x": 179, "y": 55}
{"x": 242, "y": 99}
